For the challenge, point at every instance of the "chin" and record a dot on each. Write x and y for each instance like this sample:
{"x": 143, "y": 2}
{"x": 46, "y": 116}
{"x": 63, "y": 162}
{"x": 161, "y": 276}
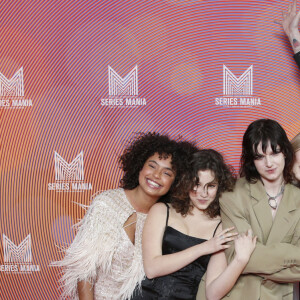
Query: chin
{"x": 203, "y": 208}
{"x": 297, "y": 176}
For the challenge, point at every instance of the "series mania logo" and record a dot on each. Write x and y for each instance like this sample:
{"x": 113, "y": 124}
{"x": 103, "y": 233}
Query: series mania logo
{"x": 69, "y": 176}
{"x": 238, "y": 91}
{"x": 123, "y": 92}
{"x": 18, "y": 259}
{"x": 12, "y": 91}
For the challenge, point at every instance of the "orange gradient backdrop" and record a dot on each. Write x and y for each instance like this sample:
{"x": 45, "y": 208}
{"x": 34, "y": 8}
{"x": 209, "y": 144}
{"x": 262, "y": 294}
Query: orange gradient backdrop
{"x": 65, "y": 48}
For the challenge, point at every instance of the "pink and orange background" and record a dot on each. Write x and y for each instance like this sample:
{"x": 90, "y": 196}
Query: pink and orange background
{"x": 65, "y": 48}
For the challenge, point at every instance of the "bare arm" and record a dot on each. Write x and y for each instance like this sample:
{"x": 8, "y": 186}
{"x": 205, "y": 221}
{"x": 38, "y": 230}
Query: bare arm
{"x": 290, "y": 23}
{"x": 155, "y": 263}
{"x": 85, "y": 290}
{"x": 86, "y": 254}
{"x": 220, "y": 278}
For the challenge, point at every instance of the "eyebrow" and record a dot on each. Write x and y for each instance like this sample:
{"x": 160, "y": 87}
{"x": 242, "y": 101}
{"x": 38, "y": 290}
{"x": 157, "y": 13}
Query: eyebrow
{"x": 212, "y": 182}
{"x": 153, "y": 161}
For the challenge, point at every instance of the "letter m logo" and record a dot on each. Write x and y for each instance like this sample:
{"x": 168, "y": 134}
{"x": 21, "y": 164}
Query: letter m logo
{"x": 13, "y": 87}
{"x": 69, "y": 171}
{"x": 127, "y": 86}
{"x": 17, "y": 254}
{"x": 233, "y": 85}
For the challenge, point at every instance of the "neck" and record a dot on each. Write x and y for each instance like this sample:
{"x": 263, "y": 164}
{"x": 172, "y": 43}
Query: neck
{"x": 272, "y": 187}
{"x": 140, "y": 201}
{"x": 199, "y": 213}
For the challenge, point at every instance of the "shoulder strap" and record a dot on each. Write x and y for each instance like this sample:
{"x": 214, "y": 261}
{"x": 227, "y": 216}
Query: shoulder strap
{"x": 217, "y": 228}
{"x": 168, "y": 208}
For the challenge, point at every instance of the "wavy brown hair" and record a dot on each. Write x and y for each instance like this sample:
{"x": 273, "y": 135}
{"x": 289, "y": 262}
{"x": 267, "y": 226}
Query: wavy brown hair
{"x": 206, "y": 159}
{"x": 143, "y": 146}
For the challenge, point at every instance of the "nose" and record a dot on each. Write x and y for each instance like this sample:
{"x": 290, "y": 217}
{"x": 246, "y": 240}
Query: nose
{"x": 202, "y": 191}
{"x": 156, "y": 173}
{"x": 268, "y": 160}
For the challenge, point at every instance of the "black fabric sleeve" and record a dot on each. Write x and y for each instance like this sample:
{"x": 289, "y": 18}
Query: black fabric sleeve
{"x": 297, "y": 58}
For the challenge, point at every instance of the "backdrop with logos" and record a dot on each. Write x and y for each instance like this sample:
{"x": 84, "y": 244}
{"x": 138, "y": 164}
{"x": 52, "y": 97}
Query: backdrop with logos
{"x": 79, "y": 78}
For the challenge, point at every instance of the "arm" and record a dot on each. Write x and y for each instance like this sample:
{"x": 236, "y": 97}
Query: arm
{"x": 155, "y": 263}
{"x": 290, "y": 275}
{"x": 220, "y": 278}
{"x": 291, "y": 270}
{"x": 290, "y": 22}
{"x": 85, "y": 290}
{"x": 265, "y": 259}
{"x": 91, "y": 247}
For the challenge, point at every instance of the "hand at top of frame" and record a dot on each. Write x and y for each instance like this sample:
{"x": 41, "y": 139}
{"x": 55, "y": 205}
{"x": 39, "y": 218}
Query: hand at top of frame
{"x": 290, "y": 24}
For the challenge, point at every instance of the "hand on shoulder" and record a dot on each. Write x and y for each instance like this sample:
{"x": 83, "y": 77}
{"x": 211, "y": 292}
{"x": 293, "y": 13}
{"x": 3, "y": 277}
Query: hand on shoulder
{"x": 220, "y": 240}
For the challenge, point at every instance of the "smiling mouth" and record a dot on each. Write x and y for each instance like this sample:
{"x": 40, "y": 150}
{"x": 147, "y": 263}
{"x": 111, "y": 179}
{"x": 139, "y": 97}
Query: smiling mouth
{"x": 153, "y": 184}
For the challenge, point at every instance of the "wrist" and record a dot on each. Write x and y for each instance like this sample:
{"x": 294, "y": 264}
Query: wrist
{"x": 242, "y": 259}
{"x": 206, "y": 248}
{"x": 294, "y": 35}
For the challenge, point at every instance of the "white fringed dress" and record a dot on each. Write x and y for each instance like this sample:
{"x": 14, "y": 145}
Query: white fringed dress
{"x": 102, "y": 253}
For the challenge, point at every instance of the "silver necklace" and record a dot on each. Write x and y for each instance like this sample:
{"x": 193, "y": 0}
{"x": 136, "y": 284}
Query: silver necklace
{"x": 272, "y": 199}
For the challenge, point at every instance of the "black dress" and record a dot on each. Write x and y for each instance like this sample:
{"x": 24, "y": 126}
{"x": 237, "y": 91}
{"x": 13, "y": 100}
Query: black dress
{"x": 182, "y": 284}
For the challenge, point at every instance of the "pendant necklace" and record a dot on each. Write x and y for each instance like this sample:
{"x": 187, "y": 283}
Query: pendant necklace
{"x": 272, "y": 199}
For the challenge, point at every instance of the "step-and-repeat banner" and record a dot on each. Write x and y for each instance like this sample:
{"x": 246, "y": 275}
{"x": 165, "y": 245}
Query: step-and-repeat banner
{"x": 79, "y": 78}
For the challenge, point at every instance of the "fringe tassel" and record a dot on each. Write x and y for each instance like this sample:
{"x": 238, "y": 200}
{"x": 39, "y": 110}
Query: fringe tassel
{"x": 94, "y": 246}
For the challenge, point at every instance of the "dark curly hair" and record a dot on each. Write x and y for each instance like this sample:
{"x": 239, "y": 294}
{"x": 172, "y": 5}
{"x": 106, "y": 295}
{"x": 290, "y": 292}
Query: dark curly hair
{"x": 265, "y": 131}
{"x": 144, "y": 146}
{"x": 206, "y": 159}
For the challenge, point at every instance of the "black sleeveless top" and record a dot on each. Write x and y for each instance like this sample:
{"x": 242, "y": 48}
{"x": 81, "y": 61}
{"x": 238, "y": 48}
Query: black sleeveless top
{"x": 182, "y": 284}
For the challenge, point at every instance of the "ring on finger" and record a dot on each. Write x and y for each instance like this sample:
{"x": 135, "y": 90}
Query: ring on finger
{"x": 222, "y": 237}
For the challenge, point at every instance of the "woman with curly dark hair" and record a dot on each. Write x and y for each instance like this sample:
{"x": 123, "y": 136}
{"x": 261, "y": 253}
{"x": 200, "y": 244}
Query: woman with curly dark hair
{"x": 183, "y": 240}
{"x": 105, "y": 259}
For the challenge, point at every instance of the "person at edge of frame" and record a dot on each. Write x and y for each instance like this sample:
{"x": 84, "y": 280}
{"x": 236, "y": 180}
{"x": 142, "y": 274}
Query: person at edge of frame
{"x": 104, "y": 260}
{"x": 265, "y": 200}
{"x": 296, "y": 166}
{"x": 290, "y": 24}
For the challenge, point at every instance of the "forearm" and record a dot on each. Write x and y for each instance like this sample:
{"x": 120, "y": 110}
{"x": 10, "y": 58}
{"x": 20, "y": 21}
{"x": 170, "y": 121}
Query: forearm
{"x": 267, "y": 259}
{"x": 85, "y": 290}
{"x": 272, "y": 258}
{"x": 294, "y": 38}
{"x": 226, "y": 280}
{"x": 290, "y": 24}
{"x": 166, "y": 264}
{"x": 291, "y": 274}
